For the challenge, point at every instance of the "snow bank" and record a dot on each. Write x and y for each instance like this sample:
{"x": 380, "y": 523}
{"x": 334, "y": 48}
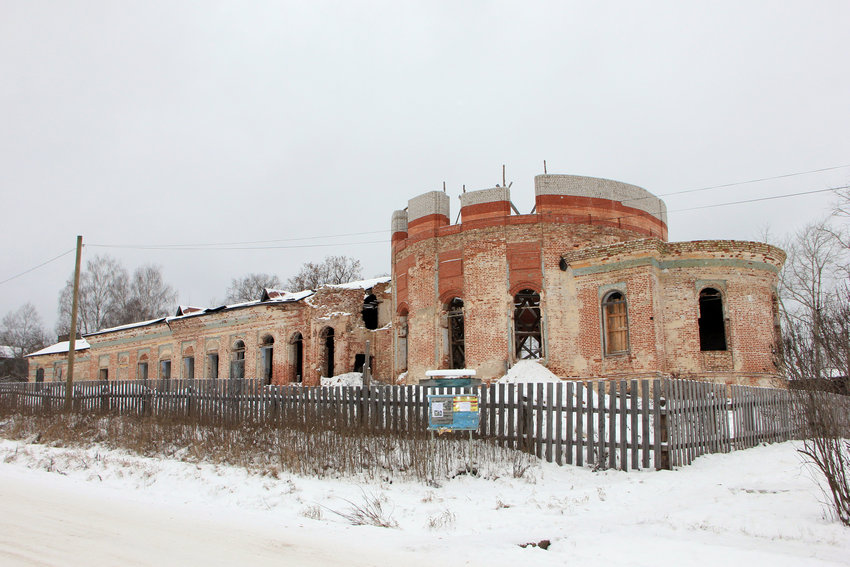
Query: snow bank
{"x": 528, "y": 372}
{"x": 347, "y": 379}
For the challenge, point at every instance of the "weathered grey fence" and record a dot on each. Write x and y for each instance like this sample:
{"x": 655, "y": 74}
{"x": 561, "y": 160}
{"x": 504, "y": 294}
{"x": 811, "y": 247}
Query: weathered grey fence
{"x": 625, "y": 424}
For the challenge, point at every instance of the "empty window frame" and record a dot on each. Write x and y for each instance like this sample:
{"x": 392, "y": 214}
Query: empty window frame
{"x": 615, "y": 321}
{"x": 164, "y": 369}
{"x": 39, "y": 375}
{"x": 188, "y": 367}
{"x": 103, "y": 375}
{"x": 142, "y": 369}
{"x": 327, "y": 342}
{"x": 370, "y": 312}
{"x": 528, "y": 337}
{"x": 296, "y": 358}
{"x": 267, "y": 356}
{"x": 712, "y": 324}
{"x": 237, "y": 361}
{"x": 212, "y": 365}
{"x": 401, "y": 360}
{"x": 457, "y": 348}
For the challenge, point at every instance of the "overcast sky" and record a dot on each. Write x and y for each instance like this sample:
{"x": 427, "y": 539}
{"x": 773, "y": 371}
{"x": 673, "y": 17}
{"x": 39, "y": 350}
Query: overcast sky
{"x": 159, "y": 123}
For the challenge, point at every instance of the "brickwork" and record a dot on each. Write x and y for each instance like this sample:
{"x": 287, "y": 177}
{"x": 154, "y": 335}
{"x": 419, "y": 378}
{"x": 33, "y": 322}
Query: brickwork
{"x": 216, "y": 332}
{"x": 587, "y": 238}
{"x": 573, "y": 254}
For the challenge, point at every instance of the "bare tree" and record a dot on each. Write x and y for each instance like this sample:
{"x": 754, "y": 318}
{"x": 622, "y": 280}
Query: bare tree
{"x": 332, "y": 270}
{"x": 147, "y": 296}
{"x": 102, "y": 284}
{"x": 23, "y": 330}
{"x": 250, "y": 287}
{"x": 815, "y": 354}
{"x": 109, "y": 297}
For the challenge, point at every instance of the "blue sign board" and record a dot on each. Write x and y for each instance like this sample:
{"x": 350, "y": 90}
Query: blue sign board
{"x": 453, "y": 412}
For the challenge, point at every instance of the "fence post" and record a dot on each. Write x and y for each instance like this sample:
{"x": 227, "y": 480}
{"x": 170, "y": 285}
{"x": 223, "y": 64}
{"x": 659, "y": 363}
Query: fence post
{"x": 662, "y": 430}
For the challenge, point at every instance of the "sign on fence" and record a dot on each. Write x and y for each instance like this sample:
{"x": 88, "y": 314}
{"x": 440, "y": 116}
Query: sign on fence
{"x": 453, "y": 412}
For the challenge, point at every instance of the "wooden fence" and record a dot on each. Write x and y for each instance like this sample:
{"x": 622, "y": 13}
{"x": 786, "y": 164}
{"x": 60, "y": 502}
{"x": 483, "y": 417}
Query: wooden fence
{"x": 625, "y": 424}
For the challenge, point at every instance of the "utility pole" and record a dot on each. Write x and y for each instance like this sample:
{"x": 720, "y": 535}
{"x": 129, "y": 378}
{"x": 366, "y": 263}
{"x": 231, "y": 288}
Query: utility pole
{"x": 72, "y": 338}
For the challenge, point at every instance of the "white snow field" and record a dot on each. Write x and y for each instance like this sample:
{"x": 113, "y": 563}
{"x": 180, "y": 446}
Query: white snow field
{"x": 99, "y": 507}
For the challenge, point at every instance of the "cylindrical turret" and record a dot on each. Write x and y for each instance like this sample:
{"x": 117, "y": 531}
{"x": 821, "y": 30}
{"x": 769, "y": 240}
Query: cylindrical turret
{"x": 427, "y": 212}
{"x": 591, "y": 200}
{"x": 485, "y": 204}
{"x": 399, "y": 226}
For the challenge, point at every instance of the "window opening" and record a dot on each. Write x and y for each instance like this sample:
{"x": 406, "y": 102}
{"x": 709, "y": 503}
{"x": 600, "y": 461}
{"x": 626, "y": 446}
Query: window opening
{"x": 328, "y": 354}
{"x": 615, "y": 318}
{"x": 103, "y": 375}
{"x": 457, "y": 349}
{"x": 360, "y": 362}
{"x": 39, "y": 375}
{"x": 402, "y": 342}
{"x": 712, "y": 326}
{"x": 267, "y": 352}
{"x": 296, "y": 357}
{"x": 527, "y": 335}
{"x": 212, "y": 366}
{"x": 165, "y": 369}
{"x": 370, "y": 312}
{"x": 237, "y": 362}
{"x": 188, "y": 367}
{"x": 142, "y": 371}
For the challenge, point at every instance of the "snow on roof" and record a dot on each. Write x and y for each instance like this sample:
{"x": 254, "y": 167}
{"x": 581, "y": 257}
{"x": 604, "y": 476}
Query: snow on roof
{"x": 127, "y": 326}
{"x": 361, "y": 284}
{"x": 281, "y": 295}
{"x": 80, "y": 344}
{"x": 186, "y": 309}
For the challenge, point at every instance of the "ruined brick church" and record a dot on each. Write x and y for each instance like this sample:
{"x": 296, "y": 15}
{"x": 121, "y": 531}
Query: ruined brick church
{"x": 587, "y": 284}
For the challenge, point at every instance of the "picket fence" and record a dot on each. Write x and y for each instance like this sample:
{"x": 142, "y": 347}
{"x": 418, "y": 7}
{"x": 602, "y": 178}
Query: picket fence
{"x": 624, "y": 424}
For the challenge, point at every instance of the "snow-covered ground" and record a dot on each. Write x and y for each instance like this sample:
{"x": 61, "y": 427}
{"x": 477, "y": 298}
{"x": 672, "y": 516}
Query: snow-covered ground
{"x": 100, "y": 507}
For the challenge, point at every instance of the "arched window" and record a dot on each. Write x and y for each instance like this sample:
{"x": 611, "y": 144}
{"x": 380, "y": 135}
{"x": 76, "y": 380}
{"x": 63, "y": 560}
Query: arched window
{"x": 266, "y": 354}
{"x": 401, "y": 355}
{"x": 527, "y": 335}
{"x": 615, "y": 320}
{"x": 712, "y": 326}
{"x": 189, "y": 364}
{"x": 370, "y": 311}
{"x": 296, "y": 358}
{"x": 142, "y": 368}
{"x": 457, "y": 349}
{"x": 327, "y": 338}
{"x": 237, "y": 361}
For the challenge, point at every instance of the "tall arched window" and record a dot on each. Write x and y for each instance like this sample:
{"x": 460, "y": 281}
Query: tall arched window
{"x": 457, "y": 349}
{"x": 266, "y": 355}
{"x": 527, "y": 324}
{"x": 370, "y": 312}
{"x": 237, "y": 360}
{"x": 712, "y": 325}
{"x": 615, "y": 320}
{"x": 327, "y": 338}
{"x": 401, "y": 360}
{"x": 296, "y": 358}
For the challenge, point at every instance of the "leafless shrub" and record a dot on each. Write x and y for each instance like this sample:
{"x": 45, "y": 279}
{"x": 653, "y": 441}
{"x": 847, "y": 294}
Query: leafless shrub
{"x": 369, "y": 511}
{"x": 826, "y": 425}
{"x": 443, "y": 520}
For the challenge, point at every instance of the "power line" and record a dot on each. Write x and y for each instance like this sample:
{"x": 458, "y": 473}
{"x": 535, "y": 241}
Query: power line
{"x": 736, "y": 183}
{"x": 197, "y": 246}
{"x": 214, "y": 247}
{"x": 762, "y": 199}
{"x": 37, "y": 267}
